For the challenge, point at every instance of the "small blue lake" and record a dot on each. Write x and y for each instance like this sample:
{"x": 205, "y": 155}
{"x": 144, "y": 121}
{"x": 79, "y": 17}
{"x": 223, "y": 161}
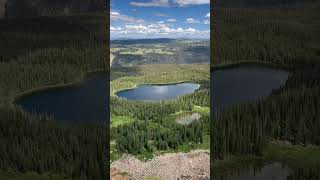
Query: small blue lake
{"x": 157, "y": 92}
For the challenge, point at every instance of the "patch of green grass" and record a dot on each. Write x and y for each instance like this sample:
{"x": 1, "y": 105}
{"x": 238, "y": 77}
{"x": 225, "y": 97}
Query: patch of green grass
{"x": 145, "y": 155}
{"x": 293, "y": 155}
{"x": 233, "y": 163}
{"x": 120, "y": 120}
{"x": 201, "y": 110}
{"x": 30, "y": 176}
{"x": 151, "y": 178}
{"x": 114, "y": 155}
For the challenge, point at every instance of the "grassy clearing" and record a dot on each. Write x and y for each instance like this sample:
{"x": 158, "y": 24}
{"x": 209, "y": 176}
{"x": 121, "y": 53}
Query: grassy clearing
{"x": 201, "y": 110}
{"x": 295, "y": 156}
{"x": 233, "y": 163}
{"x": 120, "y": 120}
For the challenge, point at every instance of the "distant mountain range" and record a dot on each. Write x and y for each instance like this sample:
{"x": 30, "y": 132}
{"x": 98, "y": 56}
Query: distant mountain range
{"x": 142, "y": 41}
{"x": 151, "y": 41}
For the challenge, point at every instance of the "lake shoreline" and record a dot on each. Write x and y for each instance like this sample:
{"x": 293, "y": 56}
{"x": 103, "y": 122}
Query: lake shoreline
{"x": 141, "y": 84}
{"x": 55, "y": 86}
{"x": 251, "y": 63}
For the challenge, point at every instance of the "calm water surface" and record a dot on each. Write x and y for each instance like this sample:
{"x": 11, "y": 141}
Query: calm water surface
{"x": 87, "y": 101}
{"x": 244, "y": 83}
{"x": 152, "y": 92}
{"x": 83, "y": 102}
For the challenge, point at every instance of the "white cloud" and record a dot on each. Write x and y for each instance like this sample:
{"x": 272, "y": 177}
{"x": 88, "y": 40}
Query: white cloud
{"x": 112, "y": 28}
{"x": 167, "y": 3}
{"x": 152, "y": 3}
{"x": 160, "y": 22}
{"x": 206, "y": 22}
{"x": 157, "y": 30}
{"x": 208, "y": 15}
{"x": 192, "y": 21}
{"x": 160, "y": 14}
{"x": 171, "y": 20}
{"x": 114, "y": 13}
{"x": 116, "y": 16}
{"x": 192, "y": 2}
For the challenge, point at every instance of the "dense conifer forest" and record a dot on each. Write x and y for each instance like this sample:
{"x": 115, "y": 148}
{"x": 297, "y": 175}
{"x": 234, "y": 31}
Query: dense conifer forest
{"x": 287, "y": 36}
{"x": 37, "y": 52}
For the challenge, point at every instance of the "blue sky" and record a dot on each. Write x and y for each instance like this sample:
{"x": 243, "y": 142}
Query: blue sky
{"x": 160, "y": 19}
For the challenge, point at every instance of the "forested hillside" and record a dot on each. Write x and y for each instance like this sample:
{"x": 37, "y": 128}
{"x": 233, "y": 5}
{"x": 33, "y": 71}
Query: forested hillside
{"x": 286, "y": 35}
{"x": 281, "y": 35}
{"x": 38, "y": 52}
{"x": 23, "y": 8}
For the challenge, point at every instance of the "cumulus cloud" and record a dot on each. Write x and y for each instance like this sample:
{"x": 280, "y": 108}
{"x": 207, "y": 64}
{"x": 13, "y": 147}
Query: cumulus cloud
{"x": 171, "y": 20}
{"x": 192, "y": 2}
{"x": 192, "y": 21}
{"x": 160, "y": 14}
{"x": 157, "y": 30}
{"x": 167, "y": 3}
{"x": 208, "y": 15}
{"x": 116, "y": 16}
{"x": 206, "y": 22}
{"x": 152, "y": 3}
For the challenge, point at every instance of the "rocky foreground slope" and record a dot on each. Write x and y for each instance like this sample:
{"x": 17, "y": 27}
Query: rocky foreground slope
{"x": 172, "y": 166}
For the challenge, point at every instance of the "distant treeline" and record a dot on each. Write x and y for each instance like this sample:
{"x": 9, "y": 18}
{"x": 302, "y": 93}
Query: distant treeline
{"x": 19, "y": 37}
{"x": 27, "y": 8}
{"x": 281, "y": 35}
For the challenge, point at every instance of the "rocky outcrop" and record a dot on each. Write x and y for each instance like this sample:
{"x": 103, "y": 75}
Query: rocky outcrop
{"x": 117, "y": 175}
{"x": 194, "y": 165}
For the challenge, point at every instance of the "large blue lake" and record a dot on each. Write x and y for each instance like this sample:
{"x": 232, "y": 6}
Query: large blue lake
{"x": 83, "y": 102}
{"x": 242, "y": 84}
